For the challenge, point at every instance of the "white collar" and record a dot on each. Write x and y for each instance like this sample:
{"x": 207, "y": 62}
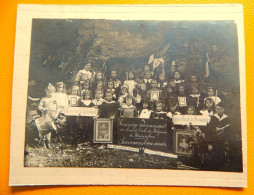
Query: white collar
{"x": 85, "y": 71}
{"x": 222, "y": 117}
{"x": 125, "y": 106}
{"x": 162, "y": 112}
{"x": 86, "y": 102}
{"x": 110, "y": 102}
{"x": 178, "y": 81}
{"x": 197, "y": 95}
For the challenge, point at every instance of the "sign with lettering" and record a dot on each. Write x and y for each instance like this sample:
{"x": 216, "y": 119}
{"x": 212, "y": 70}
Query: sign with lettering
{"x": 142, "y": 133}
{"x": 81, "y": 111}
{"x": 193, "y": 119}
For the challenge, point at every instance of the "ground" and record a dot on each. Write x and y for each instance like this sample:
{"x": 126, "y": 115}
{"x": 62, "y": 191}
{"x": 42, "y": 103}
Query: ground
{"x": 93, "y": 155}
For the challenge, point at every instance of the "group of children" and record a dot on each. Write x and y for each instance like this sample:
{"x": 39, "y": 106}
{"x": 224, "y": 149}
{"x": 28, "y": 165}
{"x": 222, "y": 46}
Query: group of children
{"x": 146, "y": 95}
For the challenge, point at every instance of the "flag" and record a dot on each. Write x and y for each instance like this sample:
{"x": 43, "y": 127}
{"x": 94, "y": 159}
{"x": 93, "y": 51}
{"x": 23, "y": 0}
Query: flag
{"x": 156, "y": 63}
{"x": 151, "y": 59}
{"x": 207, "y": 61}
{"x": 164, "y": 50}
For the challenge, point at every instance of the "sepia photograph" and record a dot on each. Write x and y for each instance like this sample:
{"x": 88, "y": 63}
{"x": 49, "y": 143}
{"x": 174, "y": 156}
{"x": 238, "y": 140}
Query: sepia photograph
{"x": 168, "y": 86}
{"x": 184, "y": 143}
{"x": 103, "y": 131}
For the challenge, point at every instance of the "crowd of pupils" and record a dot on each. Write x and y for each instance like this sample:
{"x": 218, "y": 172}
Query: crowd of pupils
{"x": 144, "y": 95}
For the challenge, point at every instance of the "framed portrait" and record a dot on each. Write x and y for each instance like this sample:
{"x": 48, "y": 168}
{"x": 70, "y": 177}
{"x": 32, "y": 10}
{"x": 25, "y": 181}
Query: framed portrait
{"x": 155, "y": 95}
{"x": 74, "y": 101}
{"x": 103, "y": 130}
{"x": 183, "y": 143}
{"x": 182, "y": 101}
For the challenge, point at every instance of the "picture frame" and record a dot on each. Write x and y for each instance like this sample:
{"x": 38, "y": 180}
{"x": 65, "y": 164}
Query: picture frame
{"x": 155, "y": 95}
{"x": 74, "y": 101}
{"x": 182, "y": 143}
{"x": 182, "y": 101}
{"x": 103, "y": 130}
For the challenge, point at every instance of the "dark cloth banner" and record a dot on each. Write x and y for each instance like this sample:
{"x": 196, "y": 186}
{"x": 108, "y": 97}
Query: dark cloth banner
{"x": 143, "y": 133}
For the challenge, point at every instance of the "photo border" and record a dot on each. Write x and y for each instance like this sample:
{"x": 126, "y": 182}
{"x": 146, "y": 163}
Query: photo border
{"x": 20, "y": 175}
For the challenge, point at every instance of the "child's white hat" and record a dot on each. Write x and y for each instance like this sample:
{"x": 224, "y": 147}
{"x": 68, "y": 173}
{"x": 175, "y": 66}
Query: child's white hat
{"x": 50, "y": 88}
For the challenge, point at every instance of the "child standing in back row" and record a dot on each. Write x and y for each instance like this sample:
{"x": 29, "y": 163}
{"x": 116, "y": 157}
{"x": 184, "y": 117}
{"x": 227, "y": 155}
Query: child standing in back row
{"x": 130, "y": 83}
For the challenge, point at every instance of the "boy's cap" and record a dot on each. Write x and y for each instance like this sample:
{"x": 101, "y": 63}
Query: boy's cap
{"x": 50, "y": 88}
{"x": 220, "y": 105}
{"x": 75, "y": 87}
{"x": 59, "y": 84}
{"x": 124, "y": 86}
{"x": 158, "y": 102}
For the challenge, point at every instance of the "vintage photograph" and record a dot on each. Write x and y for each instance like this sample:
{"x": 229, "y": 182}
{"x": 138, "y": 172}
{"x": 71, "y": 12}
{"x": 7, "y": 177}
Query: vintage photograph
{"x": 186, "y": 68}
{"x": 140, "y": 94}
{"x": 183, "y": 143}
{"x": 103, "y": 131}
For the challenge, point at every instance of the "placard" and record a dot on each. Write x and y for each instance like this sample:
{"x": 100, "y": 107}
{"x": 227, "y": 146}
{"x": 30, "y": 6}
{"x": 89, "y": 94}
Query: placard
{"x": 191, "y": 119}
{"x": 81, "y": 111}
{"x": 147, "y": 133}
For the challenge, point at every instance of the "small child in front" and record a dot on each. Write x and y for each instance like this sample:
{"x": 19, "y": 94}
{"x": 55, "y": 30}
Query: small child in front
{"x": 128, "y": 110}
{"x": 159, "y": 113}
{"x": 145, "y": 112}
{"x": 45, "y": 124}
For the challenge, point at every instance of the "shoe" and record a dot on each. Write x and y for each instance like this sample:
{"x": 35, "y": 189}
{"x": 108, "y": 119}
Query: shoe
{"x": 43, "y": 142}
{"x": 48, "y": 144}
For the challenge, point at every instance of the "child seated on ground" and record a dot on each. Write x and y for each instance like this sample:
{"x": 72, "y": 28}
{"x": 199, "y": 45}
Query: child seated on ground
{"x": 159, "y": 113}
{"x": 130, "y": 83}
{"x": 128, "y": 110}
{"x": 144, "y": 112}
